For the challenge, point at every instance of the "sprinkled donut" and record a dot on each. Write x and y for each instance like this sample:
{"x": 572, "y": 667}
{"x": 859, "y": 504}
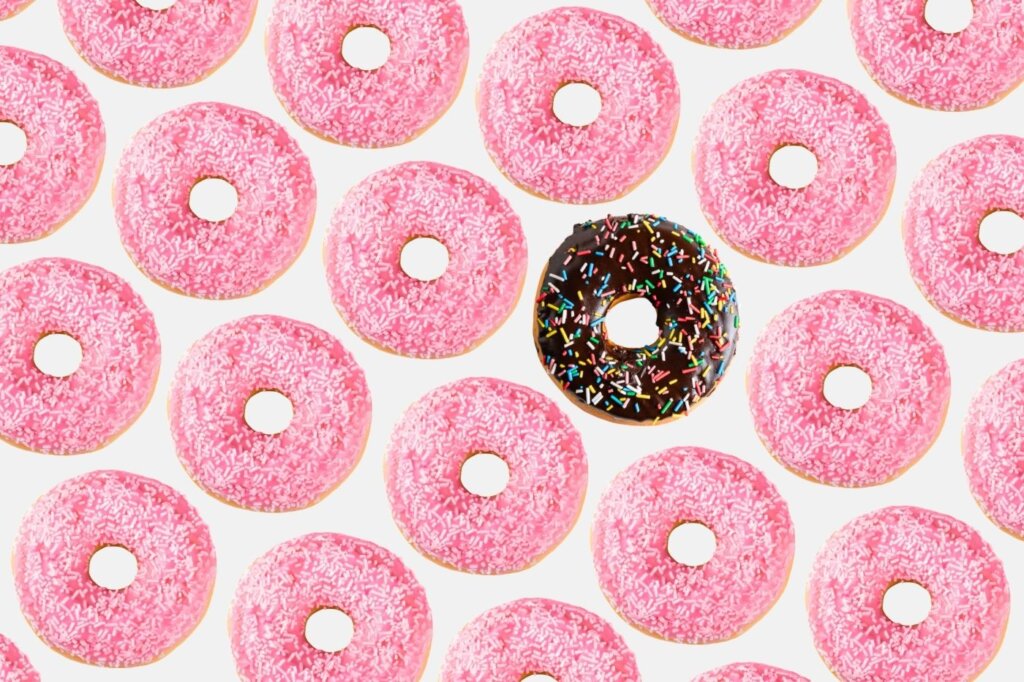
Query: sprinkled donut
{"x": 120, "y": 356}
{"x": 8, "y": 8}
{"x": 214, "y": 259}
{"x": 14, "y": 665}
{"x": 765, "y": 220}
{"x": 64, "y": 150}
{"x": 446, "y": 316}
{"x": 749, "y": 672}
{"x": 608, "y": 261}
{"x": 712, "y": 602}
{"x": 733, "y": 23}
{"x": 113, "y": 628}
{"x": 578, "y": 164}
{"x": 970, "y": 598}
{"x": 281, "y": 589}
{"x": 539, "y": 637}
{"x": 453, "y": 526}
{"x": 381, "y": 107}
{"x": 969, "y": 69}
{"x": 947, "y": 203}
{"x": 156, "y": 48}
{"x": 284, "y": 471}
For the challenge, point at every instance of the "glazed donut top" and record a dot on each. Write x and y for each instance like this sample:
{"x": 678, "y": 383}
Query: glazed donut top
{"x": 14, "y": 665}
{"x": 607, "y": 261}
{"x": 749, "y": 672}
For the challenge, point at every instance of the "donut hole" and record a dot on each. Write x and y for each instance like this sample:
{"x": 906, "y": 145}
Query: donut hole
{"x": 213, "y": 200}
{"x": 484, "y": 474}
{"x": 329, "y": 630}
{"x": 424, "y": 258}
{"x": 632, "y": 323}
{"x": 366, "y": 48}
{"x": 13, "y": 143}
{"x": 577, "y": 104}
{"x": 1002, "y": 232}
{"x": 269, "y": 412}
{"x": 156, "y": 5}
{"x": 793, "y": 166}
{"x": 949, "y": 16}
{"x": 113, "y": 567}
{"x": 57, "y": 354}
{"x": 692, "y": 544}
{"x": 538, "y": 677}
{"x": 847, "y": 387}
{"x": 906, "y": 603}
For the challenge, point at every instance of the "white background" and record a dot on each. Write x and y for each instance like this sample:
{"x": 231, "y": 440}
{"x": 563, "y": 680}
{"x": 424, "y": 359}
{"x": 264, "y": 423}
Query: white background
{"x": 359, "y": 506}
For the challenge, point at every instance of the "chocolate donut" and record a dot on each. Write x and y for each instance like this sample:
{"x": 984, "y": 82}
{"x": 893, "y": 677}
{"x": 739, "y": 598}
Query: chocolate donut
{"x": 608, "y": 261}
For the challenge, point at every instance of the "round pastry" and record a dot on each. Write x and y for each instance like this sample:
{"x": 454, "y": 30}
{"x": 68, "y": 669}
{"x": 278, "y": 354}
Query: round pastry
{"x": 605, "y": 262}
{"x": 813, "y": 224}
{"x": 733, "y": 23}
{"x": 710, "y": 602}
{"x": 64, "y": 149}
{"x": 381, "y": 107}
{"x": 398, "y": 313}
{"x": 509, "y": 531}
{"x": 868, "y": 445}
{"x": 993, "y": 446}
{"x": 284, "y": 587}
{"x": 214, "y": 259}
{"x": 969, "y": 69}
{"x": 749, "y": 672}
{"x": 970, "y": 598}
{"x": 14, "y": 665}
{"x": 113, "y": 628}
{"x": 120, "y": 356}
{"x": 156, "y": 48}
{"x": 8, "y": 8}
{"x": 578, "y": 164}
{"x": 539, "y": 637}
{"x": 941, "y": 223}
{"x": 269, "y": 472}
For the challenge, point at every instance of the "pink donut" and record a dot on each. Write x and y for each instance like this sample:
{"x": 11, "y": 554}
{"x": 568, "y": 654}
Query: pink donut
{"x": 868, "y": 445}
{"x": 156, "y": 48}
{"x": 226, "y": 259}
{"x": 14, "y": 665}
{"x": 120, "y": 356}
{"x": 749, "y": 672}
{"x": 113, "y": 628}
{"x": 398, "y": 313}
{"x": 8, "y": 8}
{"x": 733, "y": 23}
{"x": 947, "y": 203}
{"x": 860, "y": 562}
{"x": 285, "y": 586}
{"x": 993, "y": 446}
{"x": 65, "y": 145}
{"x": 513, "y": 529}
{"x": 763, "y": 219}
{"x": 917, "y": 63}
{"x": 235, "y": 463}
{"x": 377, "y": 108}
{"x": 580, "y": 165}
{"x": 695, "y": 604}
{"x": 539, "y": 637}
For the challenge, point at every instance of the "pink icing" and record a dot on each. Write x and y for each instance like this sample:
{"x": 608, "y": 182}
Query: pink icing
{"x": 580, "y": 165}
{"x": 513, "y": 529}
{"x": 280, "y": 472}
{"x": 749, "y": 672}
{"x": 14, "y": 665}
{"x": 719, "y": 599}
{"x": 443, "y": 317}
{"x": 113, "y": 628}
{"x": 120, "y": 356}
{"x": 378, "y": 108}
{"x": 808, "y": 226}
{"x": 993, "y": 446}
{"x": 917, "y": 63}
{"x": 8, "y": 8}
{"x": 869, "y": 445}
{"x": 947, "y": 203}
{"x": 65, "y": 145}
{"x": 156, "y": 48}
{"x": 327, "y": 570}
{"x": 539, "y": 636}
{"x": 969, "y": 594}
{"x": 733, "y": 23}
{"x": 226, "y": 259}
